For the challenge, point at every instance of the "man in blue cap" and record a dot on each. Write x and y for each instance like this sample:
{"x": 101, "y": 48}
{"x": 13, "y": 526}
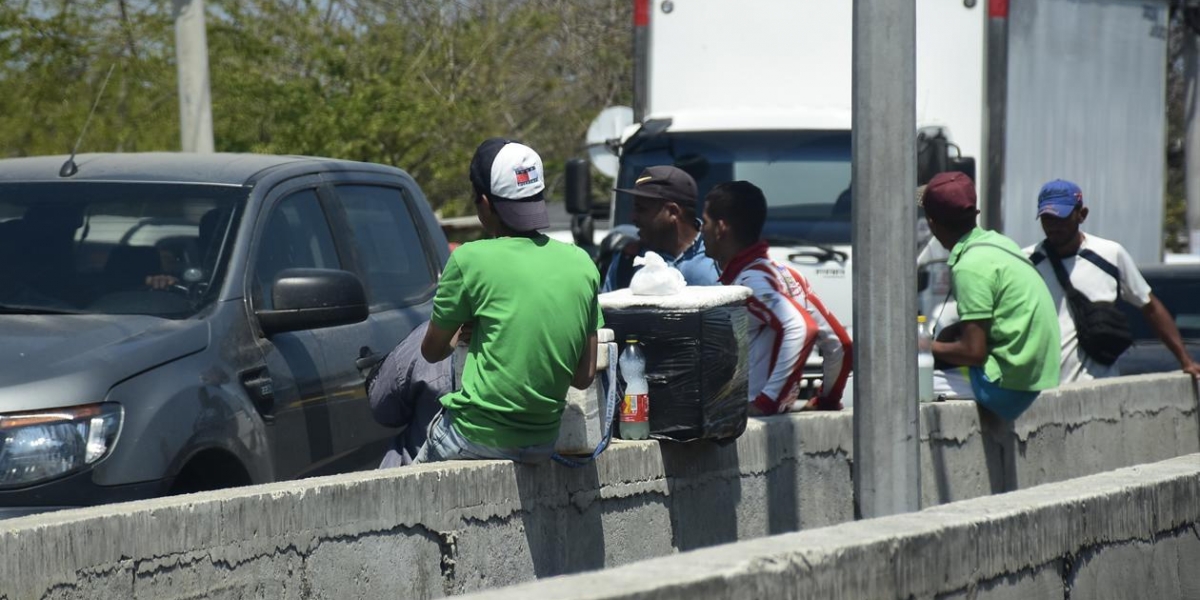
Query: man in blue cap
{"x": 1102, "y": 270}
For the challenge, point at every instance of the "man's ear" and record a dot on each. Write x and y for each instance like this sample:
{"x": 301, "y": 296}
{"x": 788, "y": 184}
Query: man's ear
{"x": 721, "y": 228}
{"x": 1083, "y": 213}
{"x": 674, "y": 209}
{"x": 486, "y": 212}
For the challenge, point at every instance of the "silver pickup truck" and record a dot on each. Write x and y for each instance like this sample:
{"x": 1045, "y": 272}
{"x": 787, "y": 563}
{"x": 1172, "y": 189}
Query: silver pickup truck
{"x": 172, "y": 322}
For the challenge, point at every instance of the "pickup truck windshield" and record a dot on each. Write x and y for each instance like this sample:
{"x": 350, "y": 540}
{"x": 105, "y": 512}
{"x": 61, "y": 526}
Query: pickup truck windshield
{"x": 114, "y": 248}
{"x": 805, "y": 175}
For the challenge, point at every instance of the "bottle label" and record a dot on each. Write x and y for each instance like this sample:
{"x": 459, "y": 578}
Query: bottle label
{"x": 635, "y": 408}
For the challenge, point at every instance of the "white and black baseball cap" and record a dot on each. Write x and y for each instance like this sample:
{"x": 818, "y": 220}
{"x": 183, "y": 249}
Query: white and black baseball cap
{"x": 511, "y": 175}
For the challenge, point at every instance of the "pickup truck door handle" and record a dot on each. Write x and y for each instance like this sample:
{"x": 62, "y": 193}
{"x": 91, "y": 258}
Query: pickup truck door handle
{"x": 368, "y": 359}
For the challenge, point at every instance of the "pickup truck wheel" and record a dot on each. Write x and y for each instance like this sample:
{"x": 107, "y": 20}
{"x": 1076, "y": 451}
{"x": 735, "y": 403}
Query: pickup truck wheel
{"x": 210, "y": 470}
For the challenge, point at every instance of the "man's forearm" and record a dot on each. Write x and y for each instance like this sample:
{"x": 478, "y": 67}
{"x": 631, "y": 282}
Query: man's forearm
{"x": 438, "y": 343}
{"x": 969, "y": 349}
{"x": 956, "y": 353}
{"x": 1164, "y": 326}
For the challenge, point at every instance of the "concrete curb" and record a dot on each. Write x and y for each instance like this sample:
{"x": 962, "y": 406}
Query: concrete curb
{"x": 937, "y": 551}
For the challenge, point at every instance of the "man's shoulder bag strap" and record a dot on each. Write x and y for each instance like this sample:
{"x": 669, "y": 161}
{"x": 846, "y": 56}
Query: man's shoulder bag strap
{"x": 1101, "y": 328}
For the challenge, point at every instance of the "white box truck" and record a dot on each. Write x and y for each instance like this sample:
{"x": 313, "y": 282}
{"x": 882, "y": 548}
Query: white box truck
{"x": 1013, "y": 93}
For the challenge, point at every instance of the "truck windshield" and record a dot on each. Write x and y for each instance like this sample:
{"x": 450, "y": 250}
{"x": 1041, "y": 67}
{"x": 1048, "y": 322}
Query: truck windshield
{"x": 114, "y": 248}
{"x": 804, "y": 175}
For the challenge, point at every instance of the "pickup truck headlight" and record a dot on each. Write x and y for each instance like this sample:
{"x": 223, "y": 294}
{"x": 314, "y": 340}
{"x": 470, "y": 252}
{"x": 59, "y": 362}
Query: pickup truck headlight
{"x": 40, "y": 445}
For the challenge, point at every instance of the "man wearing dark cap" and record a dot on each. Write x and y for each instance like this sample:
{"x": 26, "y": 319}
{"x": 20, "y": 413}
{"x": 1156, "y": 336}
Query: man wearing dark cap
{"x": 1007, "y": 337}
{"x": 1102, "y": 270}
{"x": 527, "y": 306}
{"x": 664, "y": 212}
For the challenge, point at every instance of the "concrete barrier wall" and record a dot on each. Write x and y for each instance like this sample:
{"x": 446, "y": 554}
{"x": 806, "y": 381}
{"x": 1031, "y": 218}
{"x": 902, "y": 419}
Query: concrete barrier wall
{"x": 1130, "y": 533}
{"x": 434, "y": 530}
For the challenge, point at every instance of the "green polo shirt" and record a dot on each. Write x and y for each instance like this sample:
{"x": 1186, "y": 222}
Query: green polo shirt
{"x": 994, "y": 281}
{"x": 533, "y": 304}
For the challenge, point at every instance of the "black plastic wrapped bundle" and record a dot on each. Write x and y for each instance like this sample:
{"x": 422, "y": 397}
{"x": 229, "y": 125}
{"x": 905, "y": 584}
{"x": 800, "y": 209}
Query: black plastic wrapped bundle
{"x": 695, "y": 362}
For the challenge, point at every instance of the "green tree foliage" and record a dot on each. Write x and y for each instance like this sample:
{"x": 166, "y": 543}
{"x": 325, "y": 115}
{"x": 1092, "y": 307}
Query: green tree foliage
{"x": 1175, "y": 213}
{"x": 413, "y": 83}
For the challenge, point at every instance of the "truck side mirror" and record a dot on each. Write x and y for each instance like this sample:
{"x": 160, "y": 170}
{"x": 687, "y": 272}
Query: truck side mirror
{"x": 312, "y": 299}
{"x": 931, "y": 155}
{"x": 579, "y": 187}
{"x": 964, "y": 164}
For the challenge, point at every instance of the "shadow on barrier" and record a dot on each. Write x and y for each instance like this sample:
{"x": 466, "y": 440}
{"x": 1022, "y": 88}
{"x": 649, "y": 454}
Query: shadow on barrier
{"x": 562, "y": 539}
{"x": 705, "y": 487}
{"x": 783, "y": 485}
{"x": 999, "y": 450}
{"x": 1196, "y": 404}
{"x": 937, "y": 455}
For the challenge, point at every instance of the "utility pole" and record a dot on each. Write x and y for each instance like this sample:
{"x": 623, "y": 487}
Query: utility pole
{"x": 996, "y": 86}
{"x": 884, "y": 180}
{"x": 191, "y": 57}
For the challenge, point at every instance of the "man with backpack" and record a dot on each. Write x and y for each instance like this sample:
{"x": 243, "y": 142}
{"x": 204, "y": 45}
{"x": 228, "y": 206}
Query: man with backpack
{"x": 1086, "y": 274}
{"x": 1007, "y": 338}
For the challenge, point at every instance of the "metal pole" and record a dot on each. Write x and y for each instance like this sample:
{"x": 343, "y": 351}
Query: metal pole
{"x": 191, "y": 56}
{"x": 641, "y": 58}
{"x": 996, "y": 84}
{"x": 1191, "y": 106}
{"x": 886, "y": 420}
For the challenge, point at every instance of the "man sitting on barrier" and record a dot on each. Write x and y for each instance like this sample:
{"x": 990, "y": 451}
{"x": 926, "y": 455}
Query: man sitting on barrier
{"x": 528, "y": 307}
{"x": 1007, "y": 339}
{"x": 786, "y": 318}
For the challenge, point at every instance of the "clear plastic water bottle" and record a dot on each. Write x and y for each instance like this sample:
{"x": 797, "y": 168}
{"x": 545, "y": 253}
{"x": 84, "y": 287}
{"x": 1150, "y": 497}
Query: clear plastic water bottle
{"x": 924, "y": 361}
{"x": 635, "y": 407}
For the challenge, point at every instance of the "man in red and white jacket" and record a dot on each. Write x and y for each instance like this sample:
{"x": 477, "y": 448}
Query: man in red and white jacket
{"x": 786, "y": 318}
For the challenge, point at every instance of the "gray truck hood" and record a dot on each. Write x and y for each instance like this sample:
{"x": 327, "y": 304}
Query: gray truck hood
{"x": 64, "y": 360}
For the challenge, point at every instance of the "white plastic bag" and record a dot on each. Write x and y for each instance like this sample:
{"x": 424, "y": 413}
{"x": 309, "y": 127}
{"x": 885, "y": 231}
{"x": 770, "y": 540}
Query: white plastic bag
{"x": 656, "y": 277}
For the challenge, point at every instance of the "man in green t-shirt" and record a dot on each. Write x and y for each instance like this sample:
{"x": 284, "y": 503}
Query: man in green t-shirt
{"x": 1008, "y": 336}
{"x": 527, "y": 306}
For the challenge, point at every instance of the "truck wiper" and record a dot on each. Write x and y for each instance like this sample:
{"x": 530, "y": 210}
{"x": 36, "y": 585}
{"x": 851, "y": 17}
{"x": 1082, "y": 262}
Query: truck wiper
{"x": 17, "y": 309}
{"x": 826, "y": 252}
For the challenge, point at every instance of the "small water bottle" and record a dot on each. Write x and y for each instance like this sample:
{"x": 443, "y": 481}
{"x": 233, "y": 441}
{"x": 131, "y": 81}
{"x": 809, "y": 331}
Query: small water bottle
{"x": 635, "y": 407}
{"x": 924, "y": 361}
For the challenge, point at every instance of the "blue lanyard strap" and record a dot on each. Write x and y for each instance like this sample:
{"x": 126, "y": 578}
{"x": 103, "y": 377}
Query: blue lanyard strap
{"x": 608, "y": 382}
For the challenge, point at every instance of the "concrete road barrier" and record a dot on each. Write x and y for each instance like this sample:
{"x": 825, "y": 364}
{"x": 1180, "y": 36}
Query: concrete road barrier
{"x": 435, "y": 530}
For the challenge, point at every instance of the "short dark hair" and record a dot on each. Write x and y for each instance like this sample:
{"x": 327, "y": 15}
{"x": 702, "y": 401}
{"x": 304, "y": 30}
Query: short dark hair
{"x": 688, "y": 211}
{"x": 957, "y": 223}
{"x": 742, "y": 205}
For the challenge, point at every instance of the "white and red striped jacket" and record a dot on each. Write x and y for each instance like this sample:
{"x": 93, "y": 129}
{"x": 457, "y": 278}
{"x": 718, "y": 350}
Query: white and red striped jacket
{"x": 786, "y": 320}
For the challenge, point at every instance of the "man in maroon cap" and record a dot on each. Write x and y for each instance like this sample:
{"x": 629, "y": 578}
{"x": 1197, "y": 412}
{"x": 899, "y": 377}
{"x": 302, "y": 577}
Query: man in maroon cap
{"x": 1007, "y": 339}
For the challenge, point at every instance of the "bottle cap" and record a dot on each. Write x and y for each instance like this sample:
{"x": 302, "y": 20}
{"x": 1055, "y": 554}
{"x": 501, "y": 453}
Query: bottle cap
{"x": 631, "y": 340}
{"x": 920, "y": 318}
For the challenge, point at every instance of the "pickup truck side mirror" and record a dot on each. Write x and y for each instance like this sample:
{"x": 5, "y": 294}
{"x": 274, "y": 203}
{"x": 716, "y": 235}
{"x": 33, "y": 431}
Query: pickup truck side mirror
{"x": 579, "y": 202}
{"x": 579, "y": 187}
{"x": 312, "y": 299}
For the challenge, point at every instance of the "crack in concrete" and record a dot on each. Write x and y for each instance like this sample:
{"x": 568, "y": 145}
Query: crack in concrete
{"x": 154, "y": 566}
{"x": 87, "y": 574}
{"x": 448, "y": 546}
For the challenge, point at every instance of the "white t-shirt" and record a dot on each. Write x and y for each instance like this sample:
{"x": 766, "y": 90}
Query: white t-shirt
{"x": 1101, "y": 270}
